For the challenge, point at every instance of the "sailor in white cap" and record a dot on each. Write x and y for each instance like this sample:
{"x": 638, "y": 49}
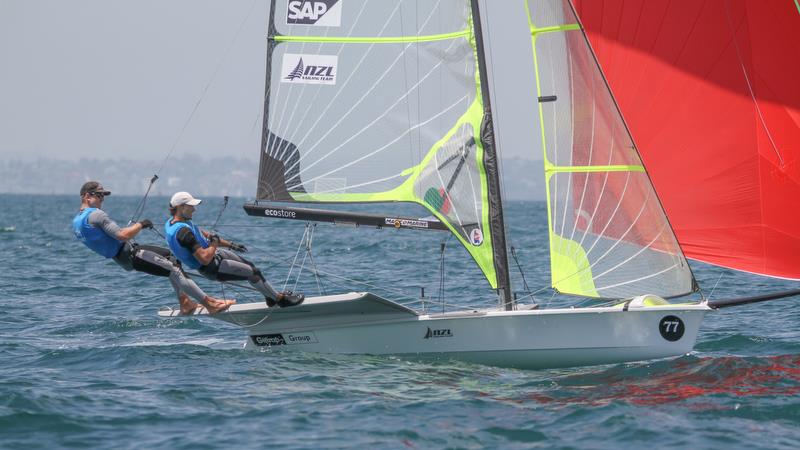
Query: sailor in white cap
{"x": 208, "y": 253}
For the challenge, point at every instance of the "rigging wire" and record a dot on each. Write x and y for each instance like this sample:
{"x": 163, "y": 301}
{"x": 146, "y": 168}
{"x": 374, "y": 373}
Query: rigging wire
{"x": 296, "y": 255}
{"x": 714, "y": 288}
{"x": 521, "y": 272}
{"x": 208, "y": 85}
{"x": 140, "y": 208}
{"x": 442, "y": 248}
{"x": 221, "y": 210}
{"x": 300, "y": 271}
{"x": 313, "y": 263}
{"x": 397, "y": 293}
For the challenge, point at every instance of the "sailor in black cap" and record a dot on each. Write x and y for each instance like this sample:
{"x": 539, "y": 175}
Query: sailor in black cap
{"x": 99, "y": 232}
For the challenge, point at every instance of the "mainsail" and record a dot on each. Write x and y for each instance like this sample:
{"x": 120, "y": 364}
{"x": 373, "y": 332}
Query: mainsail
{"x": 609, "y": 236}
{"x": 711, "y": 94}
{"x": 382, "y": 101}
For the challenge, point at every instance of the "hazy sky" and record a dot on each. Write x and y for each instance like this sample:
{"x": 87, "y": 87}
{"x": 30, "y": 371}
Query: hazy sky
{"x": 113, "y": 78}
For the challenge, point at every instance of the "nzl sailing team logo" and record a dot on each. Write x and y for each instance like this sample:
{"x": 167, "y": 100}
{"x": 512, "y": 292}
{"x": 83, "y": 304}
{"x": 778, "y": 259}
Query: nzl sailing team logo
{"x": 321, "y": 13}
{"x": 309, "y": 69}
{"x": 442, "y": 332}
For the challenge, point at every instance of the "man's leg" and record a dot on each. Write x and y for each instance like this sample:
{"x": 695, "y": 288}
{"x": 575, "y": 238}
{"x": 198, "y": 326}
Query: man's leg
{"x": 155, "y": 260}
{"x": 230, "y": 266}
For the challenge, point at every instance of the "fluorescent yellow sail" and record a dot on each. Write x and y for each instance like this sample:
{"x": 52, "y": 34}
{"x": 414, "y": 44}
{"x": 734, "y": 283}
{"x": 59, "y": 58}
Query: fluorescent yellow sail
{"x": 609, "y": 236}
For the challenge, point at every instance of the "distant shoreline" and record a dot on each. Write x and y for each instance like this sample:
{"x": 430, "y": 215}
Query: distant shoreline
{"x": 204, "y": 177}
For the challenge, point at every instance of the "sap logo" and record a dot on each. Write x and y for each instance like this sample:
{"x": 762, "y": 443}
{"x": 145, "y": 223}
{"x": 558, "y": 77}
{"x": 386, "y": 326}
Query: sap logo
{"x": 309, "y": 69}
{"x": 300, "y": 10}
{"x": 326, "y": 13}
{"x": 444, "y": 332}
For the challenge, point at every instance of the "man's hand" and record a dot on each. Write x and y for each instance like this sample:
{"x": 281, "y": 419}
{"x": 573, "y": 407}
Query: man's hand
{"x": 213, "y": 238}
{"x": 146, "y": 223}
{"x": 238, "y": 247}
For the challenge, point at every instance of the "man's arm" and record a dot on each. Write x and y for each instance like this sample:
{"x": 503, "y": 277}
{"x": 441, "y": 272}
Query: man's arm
{"x": 224, "y": 242}
{"x": 187, "y": 240}
{"x": 99, "y": 219}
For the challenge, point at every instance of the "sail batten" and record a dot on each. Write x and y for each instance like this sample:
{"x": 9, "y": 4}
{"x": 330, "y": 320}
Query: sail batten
{"x": 609, "y": 236}
{"x": 375, "y": 40}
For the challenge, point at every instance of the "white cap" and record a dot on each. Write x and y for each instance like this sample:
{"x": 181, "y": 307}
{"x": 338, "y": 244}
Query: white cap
{"x": 183, "y": 198}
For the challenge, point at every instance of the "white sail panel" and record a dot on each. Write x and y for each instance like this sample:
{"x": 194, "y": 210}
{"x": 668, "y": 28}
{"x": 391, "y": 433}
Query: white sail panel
{"x": 609, "y": 235}
{"x": 374, "y": 121}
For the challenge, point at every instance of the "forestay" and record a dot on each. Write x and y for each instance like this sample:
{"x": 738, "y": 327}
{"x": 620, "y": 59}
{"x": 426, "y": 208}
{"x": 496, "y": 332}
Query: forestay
{"x": 378, "y": 101}
{"x": 609, "y": 236}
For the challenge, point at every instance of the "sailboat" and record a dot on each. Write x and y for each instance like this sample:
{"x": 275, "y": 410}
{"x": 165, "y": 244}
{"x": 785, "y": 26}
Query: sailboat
{"x": 384, "y": 102}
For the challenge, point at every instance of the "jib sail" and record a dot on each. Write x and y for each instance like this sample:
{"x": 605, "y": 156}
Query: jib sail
{"x": 609, "y": 236}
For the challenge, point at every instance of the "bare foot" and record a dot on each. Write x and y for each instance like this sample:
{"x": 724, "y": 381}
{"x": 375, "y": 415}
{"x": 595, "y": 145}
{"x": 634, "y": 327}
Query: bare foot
{"x": 215, "y": 305}
{"x": 187, "y": 305}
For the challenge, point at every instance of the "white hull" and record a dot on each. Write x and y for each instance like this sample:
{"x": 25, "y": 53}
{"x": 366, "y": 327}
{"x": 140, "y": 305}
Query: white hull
{"x": 367, "y": 324}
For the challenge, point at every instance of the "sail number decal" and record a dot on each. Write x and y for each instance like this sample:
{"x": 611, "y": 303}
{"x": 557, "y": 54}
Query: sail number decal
{"x": 321, "y": 13}
{"x": 270, "y": 340}
{"x": 671, "y": 328}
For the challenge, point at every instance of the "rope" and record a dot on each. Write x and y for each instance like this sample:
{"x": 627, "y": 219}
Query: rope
{"x": 309, "y": 245}
{"x": 296, "y": 254}
{"x": 300, "y": 271}
{"x": 222, "y": 210}
{"x": 442, "y": 247}
{"x": 142, "y": 203}
{"x": 519, "y": 267}
{"x": 714, "y": 288}
{"x": 207, "y": 86}
{"x": 140, "y": 207}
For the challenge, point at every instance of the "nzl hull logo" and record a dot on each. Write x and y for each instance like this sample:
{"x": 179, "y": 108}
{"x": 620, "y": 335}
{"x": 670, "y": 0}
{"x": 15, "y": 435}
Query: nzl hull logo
{"x": 443, "y": 332}
{"x": 309, "y": 69}
{"x": 321, "y": 13}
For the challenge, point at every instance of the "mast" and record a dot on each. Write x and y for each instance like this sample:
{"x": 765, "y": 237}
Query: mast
{"x": 271, "y": 32}
{"x": 491, "y": 163}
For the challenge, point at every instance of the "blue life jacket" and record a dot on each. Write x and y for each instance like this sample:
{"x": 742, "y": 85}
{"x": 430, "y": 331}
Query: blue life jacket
{"x": 94, "y": 238}
{"x": 182, "y": 253}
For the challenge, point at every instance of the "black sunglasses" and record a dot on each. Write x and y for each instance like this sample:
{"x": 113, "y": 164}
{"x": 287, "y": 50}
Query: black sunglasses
{"x": 98, "y": 194}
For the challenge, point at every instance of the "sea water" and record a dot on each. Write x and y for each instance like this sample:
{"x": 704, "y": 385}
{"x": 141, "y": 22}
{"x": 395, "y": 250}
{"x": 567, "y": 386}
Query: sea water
{"x": 85, "y": 361}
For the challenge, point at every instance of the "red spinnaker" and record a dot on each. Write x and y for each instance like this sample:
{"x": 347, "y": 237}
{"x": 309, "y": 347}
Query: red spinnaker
{"x": 711, "y": 92}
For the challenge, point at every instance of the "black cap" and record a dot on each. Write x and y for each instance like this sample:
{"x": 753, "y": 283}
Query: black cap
{"x": 93, "y": 186}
